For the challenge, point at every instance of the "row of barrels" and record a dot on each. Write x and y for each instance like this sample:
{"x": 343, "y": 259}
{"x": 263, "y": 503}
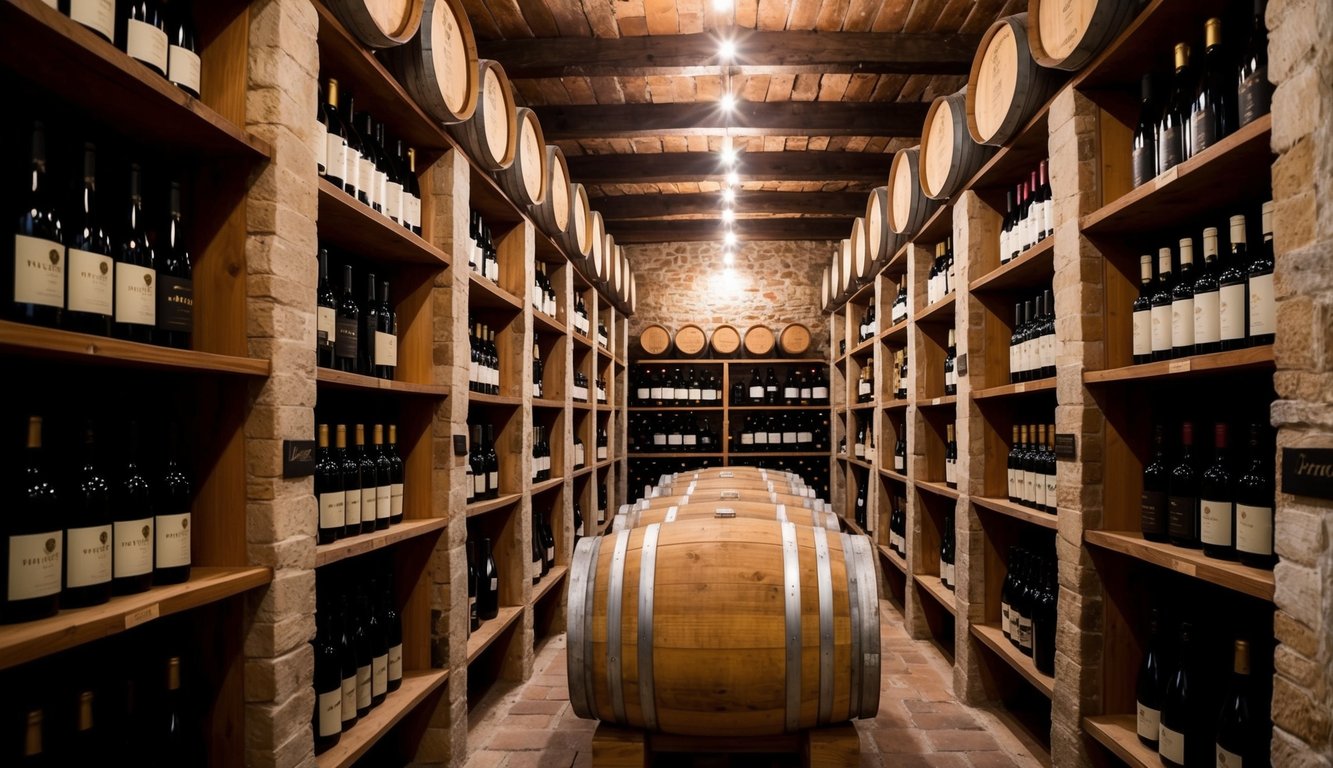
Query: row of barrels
{"x": 690, "y": 341}
{"x": 429, "y": 47}
{"x": 1021, "y": 62}
{"x": 724, "y": 604}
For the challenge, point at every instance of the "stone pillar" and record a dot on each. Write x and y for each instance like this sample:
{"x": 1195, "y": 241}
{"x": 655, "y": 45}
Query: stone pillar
{"x": 918, "y": 268}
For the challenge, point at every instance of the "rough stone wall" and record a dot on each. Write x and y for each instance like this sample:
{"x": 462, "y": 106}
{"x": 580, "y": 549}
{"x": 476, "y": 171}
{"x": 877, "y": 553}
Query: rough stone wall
{"x": 1301, "y": 64}
{"x": 772, "y": 282}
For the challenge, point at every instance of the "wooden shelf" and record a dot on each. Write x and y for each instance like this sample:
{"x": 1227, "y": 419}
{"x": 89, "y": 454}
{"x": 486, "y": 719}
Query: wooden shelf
{"x": 546, "y": 485}
{"x": 1016, "y": 511}
{"x": 417, "y": 686}
{"x": 936, "y": 402}
{"x": 352, "y": 226}
{"x": 866, "y": 347}
{"x": 1251, "y": 358}
{"x": 895, "y": 404}
{"x": 895, "y": 476}
{"x": 478, "y": 398}
{"x": 896, "y": 332}
{"x": 993, "y": 638}
{"x": 937, "y": 227}
{"x": 549, "y": 581}
{"x": 861, "y": 406}
{"x": 939, "y": 489}
{"x": 546, "y": 402}
{"x": 932, "y": 586}
{"x": 489, "y": 200}
{"x": 897, "y": 263}
{"x": 1032, "y": 268}
{"x": 480, "y": 640}
{"x": 678, "y": 455}
{"x": 544, "y": 322}
{"x": 583, "y": 341}
{"x": 484, "y": 293}
{"x": 490, "y": 505}
{"x": 941, "y": 312}
{"x": 369, "y": 542}
{"x": 87, "y": 348}
{"x": 892, "y": 557}
{"x": 1012, "y": 390}
{"x": 1255, "y": 582}
{"x": 851, "y": 525}
{"x": 1016, "y": 160}
{"x": 61, "y": 56}
{"x": 344, "y": 380}
{"x": 1120, "y": 734}
{"x": 21, "y": 643}
{"x": 855, "y": 461}
{"x": 775, "y": 408}
{"x": 776, "y": 454}
{"x": 663, "y": 409}
{"x": 1156, "y": 28}
{"x": 1211, "y": 181}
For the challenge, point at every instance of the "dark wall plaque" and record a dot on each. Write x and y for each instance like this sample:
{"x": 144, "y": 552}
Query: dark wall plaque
{"x": 1308, "y": 472}
{"x": 298, "y": 458}
{"x": 1065, "y": 446}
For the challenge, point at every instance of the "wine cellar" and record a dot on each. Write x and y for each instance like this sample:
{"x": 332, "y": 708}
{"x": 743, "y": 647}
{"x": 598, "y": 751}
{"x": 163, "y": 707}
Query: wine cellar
{"x": 628, "y": 382}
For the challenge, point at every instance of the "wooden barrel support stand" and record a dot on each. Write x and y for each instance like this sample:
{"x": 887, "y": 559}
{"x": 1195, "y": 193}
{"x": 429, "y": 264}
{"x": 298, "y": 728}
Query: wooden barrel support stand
{"x": 832, "y": 746}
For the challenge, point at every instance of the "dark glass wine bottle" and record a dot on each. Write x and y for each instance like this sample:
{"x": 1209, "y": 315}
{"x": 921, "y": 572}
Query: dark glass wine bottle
{"x": 1182, "y": 524}
{"x": 392, "y": 624}
{"x": 473, "y": 585}
{"x": 1161, "y": 307}
{"x": 488, "y": 586}
{"x": 33, "y": 754}
{"x": 32, "y": 539}
{"x": 369, "y": 482}
{"x": 1154, "y": 508}
{"x": 1242, "y": 734}
{"x": 396, "y": 482}
{"x": 477, "y": 465}
{"x": 1173, "y": 127}
{"x": 1254, "y": 92}
{"x": 1151, "y": 688}
{"x": 536, "y": 560}
{"x": 1217, "y": 514}
{"x": 492, "y": 464}
{"x": 89, "y": 296}
{"x": 1182, "y": 303}
{"x": 1213, "y": 114}
{"x": 35, "y": 285}
{"x": 1044, "y": 621}
{"x": 412, "y": 194}
{"x": 379, "y": 646}
{"x": 329, "y": 495}
{"x": 172, "y": 503}
{"x": 97, "y": 15}
{"x": 1144, "y": 152}
{"x": 175, "y": 281}
{"x": 336, "y": 148}
{"x": 132, "y": 531}
{"x": 346, "y": 663}
{"x": 383, "y": 478}
{"x": 370, "y": 321}
{"x": 136, "y": 273}
{"x": 85, "y": 742}
{"x": 346, "y": 346}
{"x": 326, "y": 313}
{"x": 88, "y": 533}
{"x": 1207, "y": 319}
{"x": 175, "y": 744}
{"x": 357, "y": 181}
{"x": 1259, "y": 284}
{"x": 386, "y": 335}
{"x": 365, "y": 658}
{"x": 1254, "y": 505}
{"x": 351, "y": 482}
{"x": 1177, "y": 745}
{"x": 183, "y": 64}
{"x": 144, "y": 35}
{"x": 327, "y": 720}
{"x": 1232, "y": 284}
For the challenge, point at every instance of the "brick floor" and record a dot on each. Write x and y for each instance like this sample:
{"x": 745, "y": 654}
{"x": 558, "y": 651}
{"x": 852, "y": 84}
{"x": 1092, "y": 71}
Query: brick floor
{"x": 919, "y": 722}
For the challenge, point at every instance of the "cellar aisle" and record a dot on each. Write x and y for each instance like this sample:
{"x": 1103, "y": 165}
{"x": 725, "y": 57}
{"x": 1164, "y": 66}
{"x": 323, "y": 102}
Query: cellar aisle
{"x": 919, "y": 724}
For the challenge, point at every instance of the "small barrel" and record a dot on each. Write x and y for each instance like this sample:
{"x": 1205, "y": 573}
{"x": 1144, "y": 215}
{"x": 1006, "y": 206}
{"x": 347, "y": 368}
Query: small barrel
{"x": 618, "y": 269}
{"x": 881, "y": 241}
{"x": 794, "y": 340}
{"x": 825, "y": 298}
{"x": 836, "y": 286}
{"x": 1006, "y": 87}
{"x": 379, "y": 23}
{"x": 608, "y": 253}
{"x": 490, "y": 136}
{"x": 526, "y": 180}
{"x": 438, "y": 66}
{"x": 909, "y": 207}
{"x": 725, "y": 341}
{"x": 759, "y": 341}
{"x": 578, "y": 237}
{"x": 849, "y": 281}
{"x": 728, "y": 510}
{"x": 592, "y": 261}
{"x": 1067, "y": 34}
{"x": 861, "y": 261}
{"x": 654, "y": 340}
{"x": 949, "y": 156}
{"x": 633, "y": 302}
{"x": 552, "y": 215}
{"x": 690, "y": 341}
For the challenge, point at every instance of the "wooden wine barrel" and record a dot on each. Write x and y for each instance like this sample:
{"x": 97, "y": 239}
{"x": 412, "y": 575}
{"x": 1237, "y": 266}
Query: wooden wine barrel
{"x": 490, "y": 136}
{"x": 836, "y": 287}
{"x": 738, "y": 510}
{"x": 690, "y": 341}
{"x": 1067, "y": 34}
{"x": 526, "y": 180}
{"x": 608, "y": 252}
{"x": 618, "y": 268}
{"x": 848, "y": 269}
{"x": 438, "y": 66}
{"x": 720, "y": 495}
{"x": 379, "y": 23}
{"x": 654, "y": 340}
{"x": 949, "y": 156}
{"x": 729, "y": 472}
{"x": 881, "y": 241}
{"x": 633, "y": 294}
{"x": 861, "y": 261}
{"x": 725, "y": 340}
{"x": 593, "y": 263}
{"x": 1006, "y": 87}
{"x": 787, "y": 639}
{"x": 825, "y": 297}
{"x": 794, "y": 340}
{"x": 909, "y": 207}
{"x": 794, "y": 486}
{"x": 552, "y": 215}
{"x": 578, "y": 237}
{"x": 759, "y": 341}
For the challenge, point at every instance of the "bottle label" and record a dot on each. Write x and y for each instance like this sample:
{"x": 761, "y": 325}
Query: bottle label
{"x": 761, "y": 438}
{"x": 321, "y": 148}
{"x": 1005, "y": 623}
{"x": 332, "y": 510}
{"x": 87, "y": 556}
{"x": 479, "y": 484}
{"x": 805, "y": 437}
{"x": 346, "y": 343}
{"x": 97, "y": 15}
{"x": 1171, "y": 745}
{"x": 335, "y": 150}
{"x": 863, "y": 388}
{"x": 39, "y": 271}
{"x": 90, "y": 282}
{"x": 325, "y": 323}
{"x": 747, "y": 438}
{"x": 379, "y": 672}
{"x": 1207, "y": 329}
{"x": 1161, "y": 328}
{"x": 495, "y": 583}
{"x": 690, "y": 439}
{"x": 643, "y": 393}
{"x": 386, "y": 349}
{"x": 1024, "y": 631}
{"x": 550, "y": 554}
{"x": 1182, "y": 517}
{"x": 1202, "y": 127}
{"x": 950, "y": 472}
{"x": 365, "y": 180}
{"x": 1171, "y": 150}
{"x": 1145, "y": 164}
{"x": 681, "y": 393}
{"x": 1261, "y": 305}
{"x": 1231, "y": 312}
{"x": 349, "y": 698}
{"x": 659, "y": 438}
{"x": 1254, "y": 529}
{"x": 821, "y": 393}
{"x": 395, "y": 662}
{"x": 134, "y": 547}
{"x": 363, "y": 684}
{"x": 1215, "y": 522}
{"x": 493, "y": 480}
{"x": 330, "y": 713}
{"x": 173, "y": 540}
{"x": 1151, "y": 508}
{"x": 1050, "y": 491}
{"x": 675, "y": 438}
{"x": 788, "y": 438}
{"x": 412, "y": 206}
{"x": 136, "y": 294}
{"x": 34, "y": 565}
{"x": 1255, "y": 96}
{"x": 709, "y": 395}
{"x": 183, "y": 68}
{"x": 791, "y": 393}
{"x": 383, "y": 500}
{"x": 396, "y": 500}
{"x": 756, "y": 393}
{"x": 900, "y": 463}
{"x": 1228, "y": 759}
{"x": 146, "y": 43}
{"x": 1182, "y": 323}
{"x": 774, "y": 438}
{"x": 1149, "y": 722}
{"x": 694, "y": 393}
{"x": 368, "y": 505}
{"x": 352, "y": 506}
{"x": 175, "y": 303}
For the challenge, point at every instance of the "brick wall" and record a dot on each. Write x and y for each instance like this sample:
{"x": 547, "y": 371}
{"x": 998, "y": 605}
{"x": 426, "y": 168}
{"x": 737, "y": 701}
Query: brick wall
{"x": 774, "y": 283}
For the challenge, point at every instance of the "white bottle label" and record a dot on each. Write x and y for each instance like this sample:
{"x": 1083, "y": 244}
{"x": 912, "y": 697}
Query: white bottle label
{"x": 493, "y": 480}
{"x": 756, "y": 393}
{"x": 899, "y": 464}
{"x": 1171, "y": 745}
{"x": 90, "y": 282}
{"x": 643, "y": 393}
{"x": 321, "y": 148}
{"x": 479, "y": 484}
{"x": 1231, "y": 311}
{"x": 1182, "y": 323}
{"x": 88, "y": 556}
{"x": 1215, "y": 522}
{"x": 134, "y": 547}
{"x": 34, "y": 565}
{"x": 788, "y": 438}
{"x": 1161, "y": 328}
{"x": 950, "y": 472}
{"x": 774, "y": 438}
{"x": 363, "y": 687}
{"x": 396, "y": 500}
{"x": 1261, "y": 305}
{"x": 332, "y": 510}
{"x": 1207, "y": 328}
{"x": 691, "y": 439}
{"x": 136, "y": 294}
{"x": 326, "y": 325}
{"x": 183, "y": 67}
{"x": 396, "y": 662}
{"x": 747, "y": 438}
{"x": 173, "y": 540}
{"x": 349, "y": 698}
{"x": 383, "y": 500}
{"x": 821, "y": 393}
{"x": 379, "y": 673}
{"x": 97, "y": 15}
{"x": 1227, "y": 759}
{"x": 1254, "y": 529}
{"x": 694, "y": 392}
{"x": 365, "y": 180}
{"x": 330, "y": 713}
{"x": 335, "y": 164}
{"x": 393, "y": 204}
{"x": 1038, "y": 490}
{"x": 368, "y": 511}
{"x": 682, "y": 393}
{"x": 1149, "y": 722}
{"x": 39, "y": 271}
{"x": 709, "y": 395}
{"x": 146, "y": 43}
{"x": 495, "y": 583}
{"x": 386, "y": 349}
{"x": 674, "y": 438}
{"x": 1013, "y": 483}
{"x": 805, "y": 437}
{"x": 1050, "y": 491}
{"x": 352, "y": 506}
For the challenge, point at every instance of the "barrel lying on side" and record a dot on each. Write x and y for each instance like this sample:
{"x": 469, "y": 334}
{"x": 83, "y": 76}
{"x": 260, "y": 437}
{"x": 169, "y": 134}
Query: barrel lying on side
{"x": 438, "y": 67}
{"x": 725, "y": 510}
{"x": 723, "y": 627}
{"x": 716, "y": 496}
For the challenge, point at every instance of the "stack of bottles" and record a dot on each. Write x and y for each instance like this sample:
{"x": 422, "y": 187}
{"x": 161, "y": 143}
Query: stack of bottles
{"x": 358, "y": 487}
{"x": 355, "y": 336}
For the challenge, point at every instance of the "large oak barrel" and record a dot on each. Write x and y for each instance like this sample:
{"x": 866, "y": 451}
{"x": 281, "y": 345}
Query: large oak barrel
{"x": 725, "y": 340}
{"x": 1006, "y": 87}
{"x": 759, "y": 341}
{"x": 620, "y": 275}
{"x": 909, "y": 207}
{"x": 608, "y": 253}
{"x": 654, "y": 340}
{"x": 578, "y": 237}
{"x": 726, "y": 472}
{"x": 723, "y": 628}
{"x": 740, "y": 510}
{"x": 379, "y": 23}
{"x": 690, "y": 340}
{"x": 881, "y": 241}
{"x": 861, "y": 260}
{"x": 593, "y": 265}
{"x": 724, "y": 495}
{"x": 794, "y": 340}
{"x": 490, "y": 136}
{"x": 1067, "y": 34}
{"x": 633, "y": 293}
{"x": 526, "y": 180}
{"x": 836, "y": 285}
{"x": 849, "y": 281}
{"x": 949, "y": 156}
{"x": 552, "y": 216}
{"x": 438, "y": 67}
{"x": 825, "y": 296}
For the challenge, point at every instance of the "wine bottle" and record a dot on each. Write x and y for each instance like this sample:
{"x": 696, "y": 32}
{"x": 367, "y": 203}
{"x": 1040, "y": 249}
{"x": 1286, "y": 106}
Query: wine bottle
{"x": 1007, "y": 627}
{"x": 336, "y": 150}
{"x": 578, "y": 522}
{"x": 1180, "y": 710}
{"x": 1207, "y": 320}
{"x": 1144, "y": 152}
{"x": 145, "y": 34}
{"x": 351, "y": 482}
{"x": 373, "y": 171}
{"x": 492, "y": 464}
{"x": 97, "y": 15}
{"x": 1254, "y": 506}
{"x": 1043, "y": 621}
{"x": 32, "y": 540}
{"x": 1216, "y": 513}
{"x": 175, "y": 282}
{"x": 348, "y": 325}
{"x": 88, "y": 533}
{"x": 473, "y": 586}
{"x": 1154, "y": 510}
{"x": 370, "y": 321}
{"x": 326, "y": 313}
{"x": 369, "y": 482}
{"x": 1173, "y": 139}
{"x": 536, "y": 560}
{"x": 36, "y": 283}
{"x": 379, "y": 647}
{"x": 386, "y": 336}
{"x": 85, "y": 742}
{"x": 347, "y": 664}
{"x": 397, "y": 486}
{"x": 1161, "y": 307}
{"x": 1182, "y": 303}
{"x": 1262, "y": 320}
{"x": 488, "y": 587}
{"x": 1013, "y": 466}
{"x": 1242, "y": 734}
{"x": 477, "y": 466}
{"x": 412, "y": 194}
{"x": 1232, "y": 284}
{"x": 136, "y": 273}
{"x": 1182, "y": 524}
{"x": 329, "y": 493}
{"x": 328, "y": 679}
{"x": 383, "y": 479}
{"x": 393, "y": 177}
{"x": 132, "y": 531}
{"x": 1151, "y": 688}
{"x": 950, "y": 457}
{"x": 32, "y": 741}
{"x": 183, "y": 64}
{"x": 1254, "y": 92}
{"x": 171, "y": 523}
{"x": 1213, "y": 114}
{"x": 89, "y": 295}
{"x": 365, "y": 658}
{"x": 392, "y": 624}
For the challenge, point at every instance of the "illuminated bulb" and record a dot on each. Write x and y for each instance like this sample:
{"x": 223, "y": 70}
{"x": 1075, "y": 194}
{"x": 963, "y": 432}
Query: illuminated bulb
{"x": 728, "y": 102}
{"x": 733, "y": 178}
{"x": 726, "y": 49}
{"x": 728, "y": 215}
{"x": 729, "y": 238}
{"x": 728, "y": 195}
{"x": 721, "y": 6}
{"x": 728, "y": 157}
{"x": 728, "y": 258}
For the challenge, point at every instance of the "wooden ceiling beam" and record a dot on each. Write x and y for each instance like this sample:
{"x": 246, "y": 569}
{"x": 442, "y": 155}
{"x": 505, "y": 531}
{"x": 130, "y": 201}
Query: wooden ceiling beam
{"x": 758, "y": 52}
{"x": 630, "y": 207}
{"x": 627, "y": 232}
{"x": 677, "y": 167}
{"x": 784, "y": 118}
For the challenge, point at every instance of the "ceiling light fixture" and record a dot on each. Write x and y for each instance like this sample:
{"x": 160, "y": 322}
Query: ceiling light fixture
{"x": 729, "y": 258}
{"x": 728, "y": 101}
{"x": 729, "y": 238}
{"x": 726, "y": 49}
{"x": 728, "y": 215}
{"x": 733, "y": 178}
{"x": 728, "y": 195}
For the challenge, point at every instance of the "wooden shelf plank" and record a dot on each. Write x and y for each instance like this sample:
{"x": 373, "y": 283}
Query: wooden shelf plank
{"x": 1252, "y": 358}
{"x": 939, "y": 489}
{"x": 678, "y": 455}
{"x": 895, "y": 476}
{"x": 740, "y": 362}
{"x": 652, "y": 409}
{"x": 862, "y": 406}
{"x": 546, "y": 402}
{"x": 1255, "y": 582}
{"x": 1120, "y": 734}
{"x": 1033, "y": 268}
{"x": 547, "y": 485}
{"x": 87, "y": 348}
{"x": 21, "y": 643}
{"x": 1011, "y": 390}
{"x": 369, "y": 542}
{"x": 486, "y": 634}
{"x": 772, "y": 408}
{"x": 941, "y": 312}
{"x": 937, "y": 227}
{"x": 993, "y": 638}
{"x": 61, "y": 56}
{"x": 897, "y": 263}
{"x": 549, "y": 582}
{"x": 1155, "y": 29}
{"x": 897, "y": 332}
{"x": 892, "y": 557}
{"x": 477, "y": 398}
{"x": 1016, "y": 511}
{"x": 936, "y": 402}
{"x": 932, "y": 586}
{"x": 344, "y": 380}
{"x": 851, "y": 525}
{"x": 581, "y": 405}
{"x": 774, "y": 454}
{"x": 417, "y": 686}
{"x": 582, "y": 340}
{"x": 483, "y": 293}
{"x": 857, "y": 462}
{"x": 352, "y": 226}
{"x": 488, "y": 199}
{"x": 863, "y": 348}
{"x": 584, "y": 470}
{"x": 890, "y": 405}
{"x": 545, "y": 322}
{"x": 490, "y": 505}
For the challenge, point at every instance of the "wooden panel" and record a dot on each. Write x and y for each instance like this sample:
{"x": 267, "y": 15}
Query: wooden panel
{"x": 658, "y": 206}
{"x": 749, "y": 118}
{"x": 1190, "y": 562}
{"x": 417, "y": 687}
{"x": 993, "y": 638}
{"x": 761, "y": 166}
{"x": 746, "y": 229}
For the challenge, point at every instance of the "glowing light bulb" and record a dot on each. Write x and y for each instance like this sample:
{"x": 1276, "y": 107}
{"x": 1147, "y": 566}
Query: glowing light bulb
{"x": 728, "y": 215}
{"x": 726, "y": 49}
{"x": 721, "y": 6}
{"x": 729, "y": 238}
{"x": 728, "y": 195}
{"x": 728, "y": 157}
{"x": 728, "y": 258}
{"x": 728, "y": 102}
{"x": 733, "y": 178}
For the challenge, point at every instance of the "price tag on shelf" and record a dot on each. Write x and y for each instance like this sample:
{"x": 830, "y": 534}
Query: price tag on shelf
{"x": 1022, "y": 387}
{"x": 1166, "y": 177}
{"x": 142, "y": 616}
